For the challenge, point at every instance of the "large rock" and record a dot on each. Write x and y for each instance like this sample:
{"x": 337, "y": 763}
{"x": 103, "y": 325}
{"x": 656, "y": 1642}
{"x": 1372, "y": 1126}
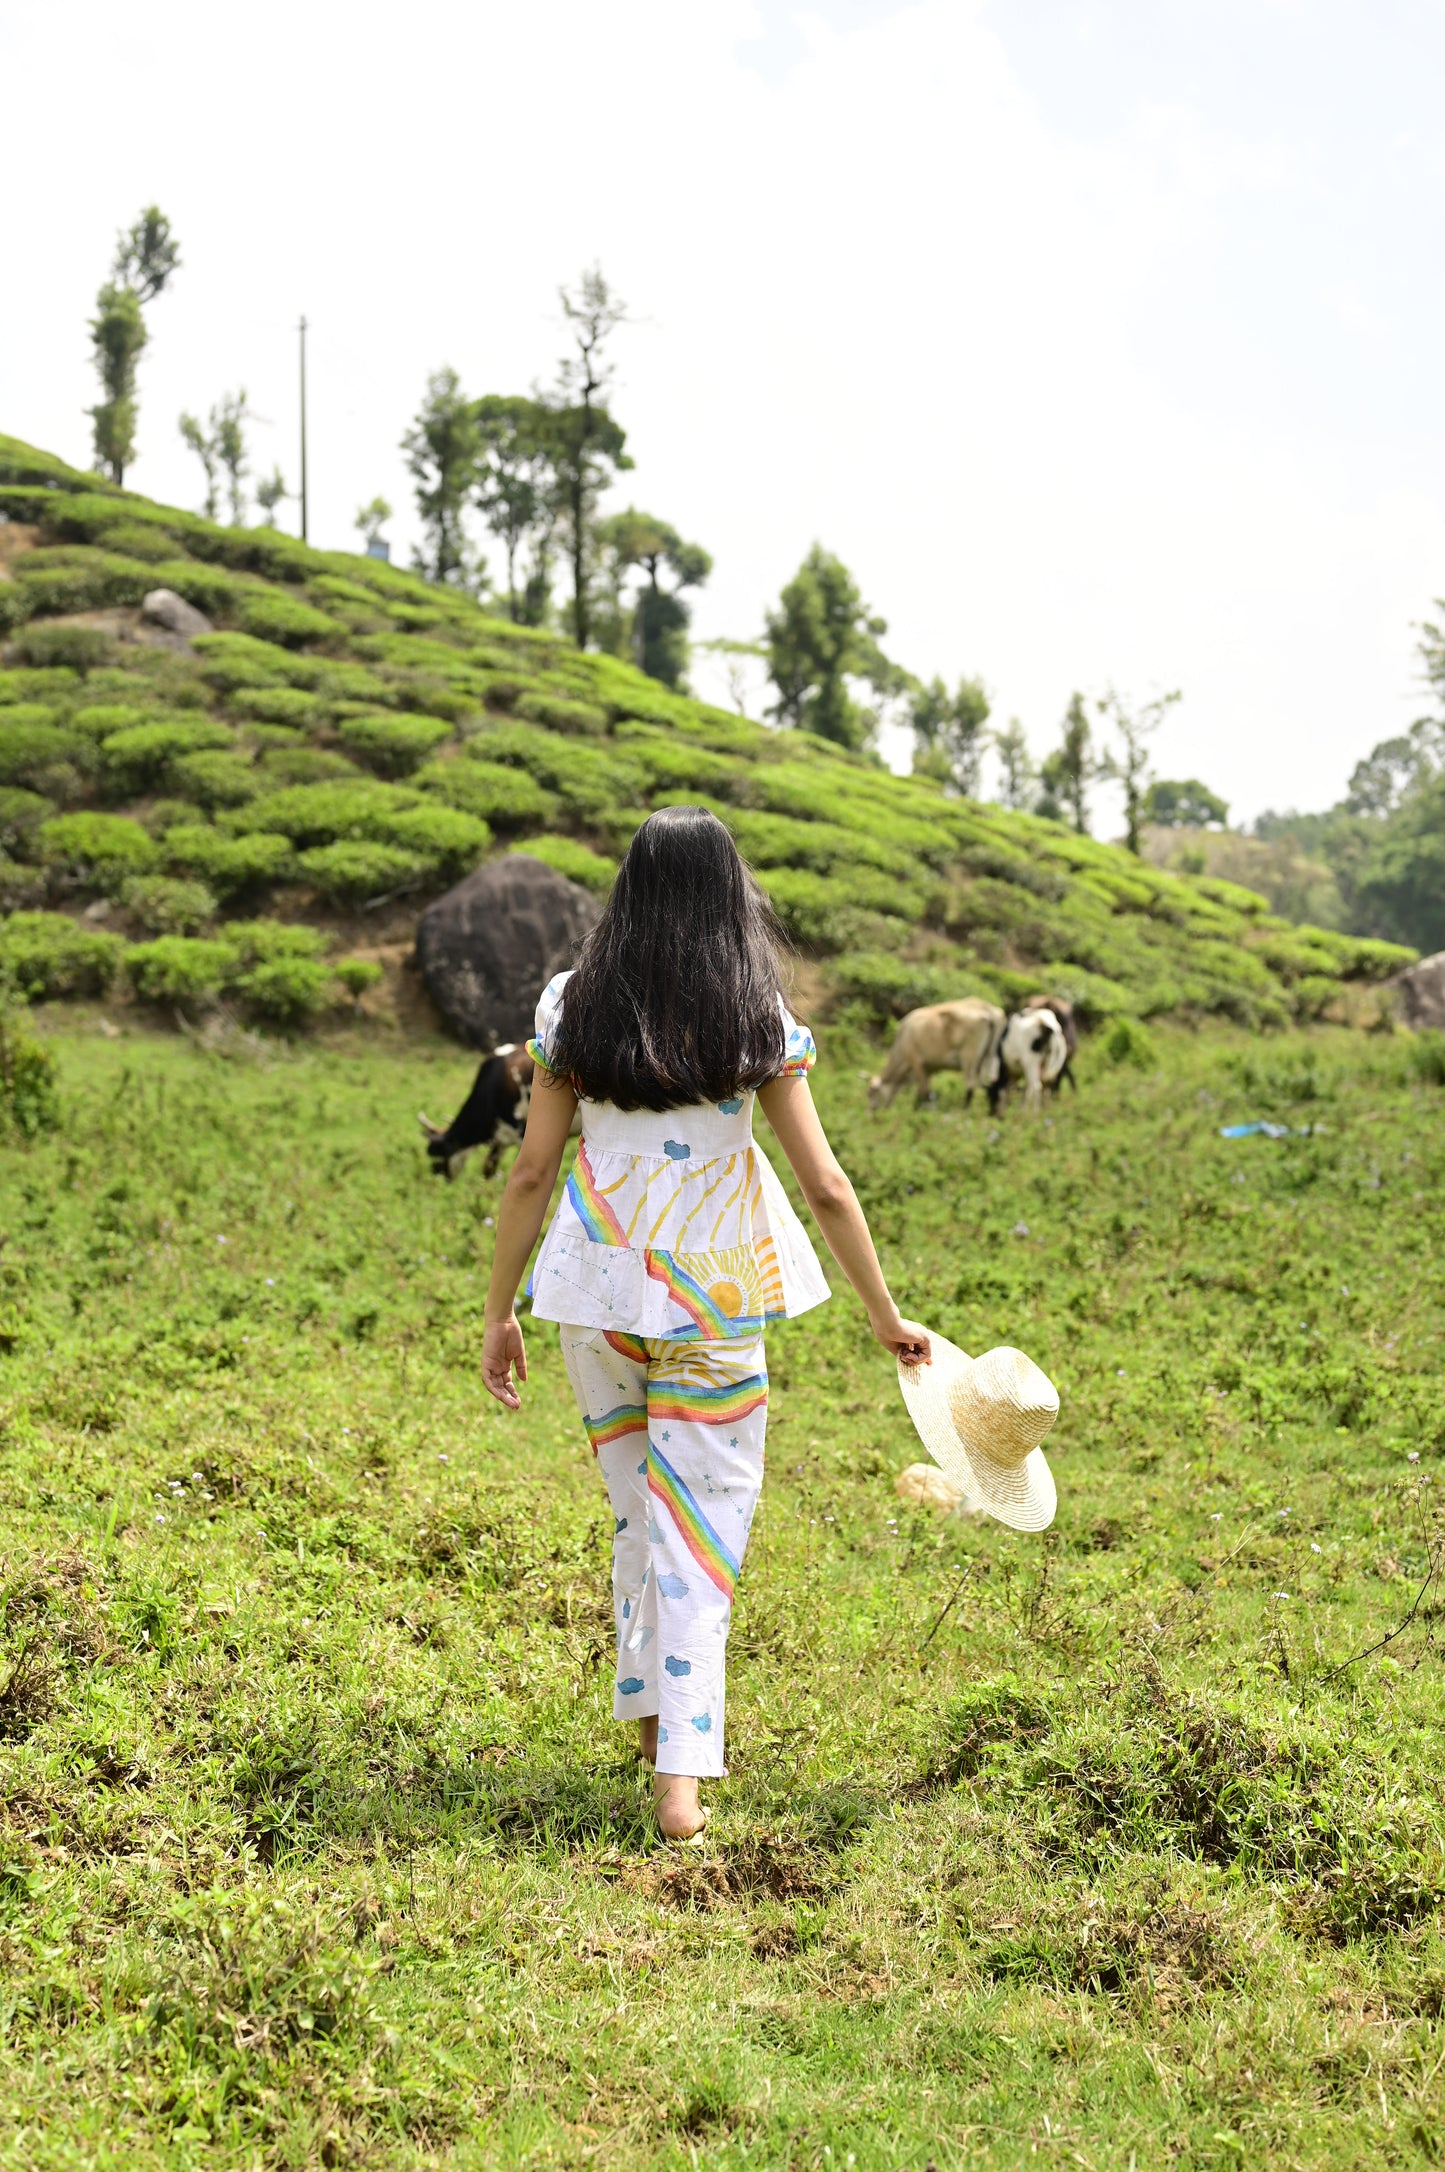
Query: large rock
{"x": 164, "y": 608}
{"x": 1421, "y": 991}
{"x": 489, "y": 947}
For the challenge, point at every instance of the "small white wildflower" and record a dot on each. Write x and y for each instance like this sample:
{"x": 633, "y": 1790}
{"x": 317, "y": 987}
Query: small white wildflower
{"x": 1284, "y": 1512}
{"x": 220, "y": 1240}
{"x": 270, "y": 1282}
{"x": 1021, "y": 1229}
{"x": 1281, "y": 1594}
{"x": 443, "y": 1459}
{"x": 1215, "y": 1518}
{"x": 487, "y": 1222}
{"x": 160, "y": 1519}
{"x": 1315, "y": 1549}
{"x": 1413, "y": 1456}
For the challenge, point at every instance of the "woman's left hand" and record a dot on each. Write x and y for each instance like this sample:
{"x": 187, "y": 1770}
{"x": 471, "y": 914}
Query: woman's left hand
{"x": 502, "y": 1348}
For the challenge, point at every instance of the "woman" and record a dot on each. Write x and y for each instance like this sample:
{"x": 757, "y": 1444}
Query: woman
{"x": 672, "y": 1248}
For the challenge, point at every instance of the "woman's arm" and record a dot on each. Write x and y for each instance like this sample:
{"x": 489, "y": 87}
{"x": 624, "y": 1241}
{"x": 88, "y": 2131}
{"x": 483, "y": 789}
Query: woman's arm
{"x": 519, "y": 1218}
{"x": 788, "y": 1106}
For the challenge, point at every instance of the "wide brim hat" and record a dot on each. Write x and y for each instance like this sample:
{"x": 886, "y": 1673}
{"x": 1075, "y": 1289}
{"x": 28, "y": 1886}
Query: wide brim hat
{"x": 982, "y": 1419}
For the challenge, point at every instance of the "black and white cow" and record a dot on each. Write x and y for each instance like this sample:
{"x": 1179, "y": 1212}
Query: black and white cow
{"x": 1033, "y": 1049}
{"x": 1063, "y": 1010}
{"x": 494, "y": 1114}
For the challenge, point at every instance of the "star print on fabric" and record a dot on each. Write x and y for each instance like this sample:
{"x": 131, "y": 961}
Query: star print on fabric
{"x": 733, "y": 1442}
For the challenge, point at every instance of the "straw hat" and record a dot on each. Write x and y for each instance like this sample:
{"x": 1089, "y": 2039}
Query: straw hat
{"x": 981, "y": 1419}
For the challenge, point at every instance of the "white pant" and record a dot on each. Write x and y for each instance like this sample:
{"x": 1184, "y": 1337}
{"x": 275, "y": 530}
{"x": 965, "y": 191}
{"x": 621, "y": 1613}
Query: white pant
{"x": 677, "y": 1428}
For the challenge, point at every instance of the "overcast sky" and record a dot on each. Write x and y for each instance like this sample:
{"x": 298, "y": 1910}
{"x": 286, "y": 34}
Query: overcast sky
{"x": 1101, "y": 338}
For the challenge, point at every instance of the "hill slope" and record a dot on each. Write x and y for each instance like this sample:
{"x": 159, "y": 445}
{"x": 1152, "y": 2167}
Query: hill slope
{"x": 350, "y": 734}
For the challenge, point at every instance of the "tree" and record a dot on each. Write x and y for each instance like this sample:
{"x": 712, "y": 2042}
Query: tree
{"x": 1396, "y": 768}
{"x": 205, "y": 451}
{"x": 1018, "y": 773}
{"x": 660, "y": 618}
{"x": 1068, "y": 772}
{"x": 223, "y": 448}
{"x": 821, "y": 636}
{"x": 371, "y": 519}
{"x": 1130, "y": 763}
{"x": 269, "y": 492}
{"x": 736, "y": 655}
{"x": 441, "y": 454}
{"x": 145, "y": 259}
{"x": 587, "y": 447}
{"x": 948, "y": 732}
{"x": 515, "y": 495}
{"x": 1183, "y": 803}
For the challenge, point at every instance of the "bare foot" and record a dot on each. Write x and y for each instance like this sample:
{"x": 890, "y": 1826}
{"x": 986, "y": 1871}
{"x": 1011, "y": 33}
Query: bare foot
{"x": 647, "y": 1740}
{"x": 675, "y": 1801}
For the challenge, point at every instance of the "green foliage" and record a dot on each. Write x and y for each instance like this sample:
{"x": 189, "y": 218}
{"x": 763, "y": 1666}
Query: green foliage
{"x": 441, "y": 454}
{"x": 285, "y": 991}
{"x": 393, "y": 745}
{"x": 180, "y": 968}
{"x": 29, "y": 1091}
{"x": 1174, "y": 803}
{"x": 146, "y": 258}
{"x": 292, "y": 764}
{"x": 888, "y": 987}
{"x": 166, "y": 905}
{"x": 1128, "y": 1043}
{"x": 21, "y": 814}
{"x": 274, "y": 616}
{"x": 948, "y": 732}
{"x": 507, "y": 799}
{"x": 593, "y": 870}
{"x": 357, "y": 873}
{"x": 356, "y": 975}
{"x": 228, "y": 865}
{"x": 215, "y": 779}
{"x": 1427, "y": 1058}
{"x": 277, "y": 704}
{"x": 262, "y": 942}
{"x": 822, "y": 635}
{"x": 46, "y": 955}
{"x": 105, "y": 848}
{"x": 561, "y": 715}
{"x": 142, "y": 757}
{"x": 72, "y": 578}
{"x": 76, "y": 648}
{"x": 34, "y": 754}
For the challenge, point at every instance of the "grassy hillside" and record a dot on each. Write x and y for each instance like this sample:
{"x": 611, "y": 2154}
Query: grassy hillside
{"x": 351, "y": 736}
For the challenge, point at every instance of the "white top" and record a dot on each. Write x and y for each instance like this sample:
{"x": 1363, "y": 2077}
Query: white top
{"x": 673, "y": 1225}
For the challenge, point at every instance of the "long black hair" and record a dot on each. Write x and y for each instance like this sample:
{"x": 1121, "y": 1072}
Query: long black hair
{"x": 675, "y": 995}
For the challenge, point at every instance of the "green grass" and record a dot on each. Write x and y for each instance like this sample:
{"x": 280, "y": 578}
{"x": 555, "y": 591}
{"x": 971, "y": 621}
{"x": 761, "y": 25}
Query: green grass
{"x": 369, "y": 674}
{"x": 321, "y": 1849}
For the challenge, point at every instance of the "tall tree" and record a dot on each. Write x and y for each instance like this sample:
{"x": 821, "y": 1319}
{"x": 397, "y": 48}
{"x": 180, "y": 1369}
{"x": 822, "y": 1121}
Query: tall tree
{"x": 514, "y": 491}
{"x": 201, "y": 444}
{"x": 441, "y": 455}
{"x": 146, "y": 257}
{"x": 948, "y": 732}
{"x": 660, "y": 617}
{"x": 1129, "y": 761}
{"x": 821, "y": 636}
{"x": 1068, "y": 772}
{"x": 587, "y": 447}
{"x": 222, "y": 448}
{"x": 1018, "y": 772}
{"x": 269, "y": 492}
{"x": 1179, "y": 803}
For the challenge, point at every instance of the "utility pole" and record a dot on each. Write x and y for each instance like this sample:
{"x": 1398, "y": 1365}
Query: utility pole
{"x": 303, "y": 429}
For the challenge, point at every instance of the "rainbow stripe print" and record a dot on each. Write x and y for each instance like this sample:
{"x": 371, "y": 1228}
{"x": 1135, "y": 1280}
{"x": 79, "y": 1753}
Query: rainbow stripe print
{"x": 696, "y": 1533}
{"x": 615, "y": 1425}
{"x": 707, "y": 1316}
{"x": 590, "y": 1204}
{"x": 628, "y": 1346}
{"x": 722, "y": 1405}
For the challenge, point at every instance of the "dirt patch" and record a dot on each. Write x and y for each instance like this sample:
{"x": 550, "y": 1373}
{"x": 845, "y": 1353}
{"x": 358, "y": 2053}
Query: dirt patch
{"x": 765, "y": 1868}
{"x": 15, "y": 537}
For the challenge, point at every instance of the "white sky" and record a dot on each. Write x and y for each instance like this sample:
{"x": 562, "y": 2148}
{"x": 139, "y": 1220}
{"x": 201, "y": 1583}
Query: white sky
{"x": 1101, "y": 338}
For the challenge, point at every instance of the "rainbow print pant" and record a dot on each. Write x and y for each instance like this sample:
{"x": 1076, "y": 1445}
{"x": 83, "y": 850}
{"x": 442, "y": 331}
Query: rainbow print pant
{"x": 677, "y": 1428}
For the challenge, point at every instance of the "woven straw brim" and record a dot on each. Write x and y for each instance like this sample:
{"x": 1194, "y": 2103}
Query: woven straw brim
{"x": 1020, "y": 1494}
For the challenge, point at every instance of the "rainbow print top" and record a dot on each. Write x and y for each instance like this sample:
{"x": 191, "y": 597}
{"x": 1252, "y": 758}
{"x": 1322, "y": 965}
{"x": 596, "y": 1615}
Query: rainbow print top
{"x": 674, "y": 1225}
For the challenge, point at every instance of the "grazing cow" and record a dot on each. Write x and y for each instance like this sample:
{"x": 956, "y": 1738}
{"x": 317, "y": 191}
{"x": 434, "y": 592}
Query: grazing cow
{"x": 1032, "y": 1048}
{"x": 1063, "y": 1010}
{"x": 961, "y": 1036}
{"x": 493, "y": 1115}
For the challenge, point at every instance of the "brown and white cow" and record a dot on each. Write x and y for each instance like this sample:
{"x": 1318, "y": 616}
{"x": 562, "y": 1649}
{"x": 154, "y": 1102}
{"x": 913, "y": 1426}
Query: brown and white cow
{"x": 962, "y": 1036}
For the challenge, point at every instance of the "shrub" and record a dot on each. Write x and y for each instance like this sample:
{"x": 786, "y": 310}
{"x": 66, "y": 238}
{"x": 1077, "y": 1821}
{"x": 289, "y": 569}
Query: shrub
{"x": 21, "y": 885}
{"x": 166, "y": 905}
{"x": 164, "y": 815}
{"x": 274, "y": 616}
{"x": 393, "y": 745}
{"x": 215, "y": 779}
{"x": 29, "y": 1102}
{"x": 46, "y": 686}
{"x": 506, "y": 798}
{"x": 15, "y": 606}
{"x": 358, "y": 872}
{"x": 180, "y": 968}
{"x": 143, "y": 755}
{"x": 319, "y": 814}
{"x": 450, "y": 841}
{"x": 260, "y": 942}
{"x": 133, "y": 539}
{"x": 356, "y": 975}
{"x": 30, "y": 753}
{"x": 1427, "y": 1058}
{"x": 888, "y": 986}
{"x": 285, "y": 991}
{"x": 562, "y": 715}
{"x": 1127, "y": 1042}
{"x": 75, "y": 578}
{"x": 81, "y": 648}
{"x": 48, "y": 955}
{"x": 277, "y": 704}
{"x": 101, "y": 720}
{"x": 587, "y": 779}
{"x": 207, "y": 587}
{"x": 573, "y": 860}
{"x": 105, "y": 848}
{"x": 236, "y": 660}
{"x": 304, "y": 765}
{"x": 21, "y": 814}
{"x": 228, "y": 865}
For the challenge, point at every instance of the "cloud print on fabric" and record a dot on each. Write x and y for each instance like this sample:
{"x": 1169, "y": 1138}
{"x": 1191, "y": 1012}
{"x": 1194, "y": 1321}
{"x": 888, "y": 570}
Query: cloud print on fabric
{"x": 677, "y": 1666}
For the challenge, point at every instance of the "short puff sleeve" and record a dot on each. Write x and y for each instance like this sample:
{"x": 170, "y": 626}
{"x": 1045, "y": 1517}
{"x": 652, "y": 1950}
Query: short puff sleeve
{"x": 542, "y": 1048}
{"x": 800, "y": 1050}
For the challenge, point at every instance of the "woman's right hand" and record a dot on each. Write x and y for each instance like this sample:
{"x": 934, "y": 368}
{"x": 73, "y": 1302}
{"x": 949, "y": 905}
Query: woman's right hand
{"x": 502, "y": 1348}
{"x": 903, "y": 1339}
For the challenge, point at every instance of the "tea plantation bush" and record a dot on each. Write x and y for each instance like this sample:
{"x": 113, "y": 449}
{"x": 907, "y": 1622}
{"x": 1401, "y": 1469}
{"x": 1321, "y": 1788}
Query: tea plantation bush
{"x": 393, "y": 745}
{"x": 104, "y": 847}
{"x": 357, "y": 873}
{"x": 593, "y": 870}
{"x": 228, "y": 865}
{"x": 507, "y": 799}
{"x": 47, "y": 955}
{"x": 29, "y": 1093}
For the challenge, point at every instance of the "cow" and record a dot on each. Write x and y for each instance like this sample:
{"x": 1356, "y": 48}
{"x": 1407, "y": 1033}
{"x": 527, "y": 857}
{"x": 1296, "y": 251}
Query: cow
{"x": 962, "y": 1036}
{"x": 494, "y": 1114}
{"x": 1031, "y": 1047}
{"x": 1063, "y": 1010}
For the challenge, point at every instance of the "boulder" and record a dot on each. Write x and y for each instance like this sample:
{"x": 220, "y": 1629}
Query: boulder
{"x": 488, "y": 948}
{"x": 1421, "y": 992}
{"x": 163, "y": 607}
